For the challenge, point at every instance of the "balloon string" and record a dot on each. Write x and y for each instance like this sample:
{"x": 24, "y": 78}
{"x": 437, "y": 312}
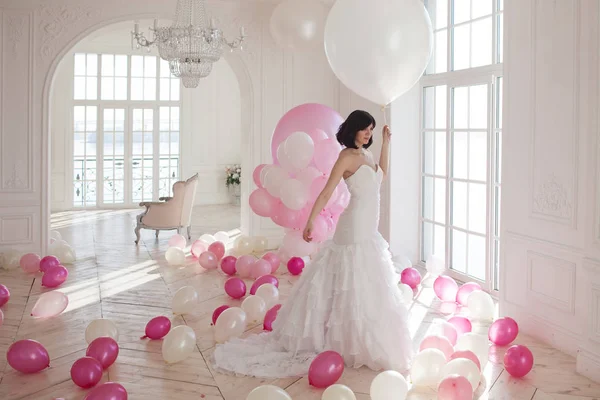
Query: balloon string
{"x": 384, "y": 114}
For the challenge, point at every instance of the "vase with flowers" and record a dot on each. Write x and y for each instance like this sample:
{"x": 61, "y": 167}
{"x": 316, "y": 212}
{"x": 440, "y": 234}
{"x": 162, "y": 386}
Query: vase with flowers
{"x": 232, "y": 181}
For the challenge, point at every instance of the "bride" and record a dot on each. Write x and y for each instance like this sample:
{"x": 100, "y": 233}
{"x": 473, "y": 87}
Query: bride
{"x": 347, "y": 299}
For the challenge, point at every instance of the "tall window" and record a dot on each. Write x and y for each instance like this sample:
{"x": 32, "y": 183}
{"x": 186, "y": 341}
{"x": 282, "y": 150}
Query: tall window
{"x": 125, "y": 129}
{"x": 461, "y": 139}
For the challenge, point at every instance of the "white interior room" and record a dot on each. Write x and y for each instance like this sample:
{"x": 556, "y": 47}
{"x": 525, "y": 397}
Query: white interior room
{"x": 494, "y": 178}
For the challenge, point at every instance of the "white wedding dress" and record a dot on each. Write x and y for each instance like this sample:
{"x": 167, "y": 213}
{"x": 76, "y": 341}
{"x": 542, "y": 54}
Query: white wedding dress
{"x": 346, "y": 300}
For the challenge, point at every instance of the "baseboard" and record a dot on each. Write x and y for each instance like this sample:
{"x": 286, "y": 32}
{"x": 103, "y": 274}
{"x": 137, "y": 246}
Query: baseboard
{"x": 588, "y": 364}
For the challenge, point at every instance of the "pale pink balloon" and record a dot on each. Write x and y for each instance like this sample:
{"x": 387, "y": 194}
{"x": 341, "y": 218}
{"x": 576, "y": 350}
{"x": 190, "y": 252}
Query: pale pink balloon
{"x": 256, "y": 175}
{"x": 157, "y": 328}
{"x": 235, "y": 287}
{"x": 244, "y": 264}
{"x": 455, "y": 387}
{"x": 445, "y": 288}
{"x": 30, "y": 263}
{"x": 48, "y": 262}
{"x": 208, "y": 260}
{"x": 218, "y": 249}
{"x": 262, "y": 280}
{"x": 317, "y": 134}
{"x": 4, "y": 295}
{"x": 55, "y": 276}
{"x": 260, "y": 268}
{"x": 286, "y": 217}
{"x": 262, "y": 203}
{"x": 316, "y": 187}
{"x": 107, "y": 391}
{"x": 274, "y": 260}
{"x": 462, "y": 324}
{"x": 438, "y": 342}
{"x": 518, "y": 360}
{"x": 503, "y": 331}
{"x": 228, "y": 265}
{"x": 468, "y": 354}
{"x": 464, "y": 291}
{"x": 218, "y": 312}
{"x": 411, "y": 277}
{"x": 198, "y": 247}
{"x": 103, "y": 349}
{"x": 295, "y": 265}
{"x": 177, "y": 240}
{"x": 270, "y": 317}
{"x": 326, "y": 153}
{"x": 50, "y": 304}
{"x": 28, "y": 356}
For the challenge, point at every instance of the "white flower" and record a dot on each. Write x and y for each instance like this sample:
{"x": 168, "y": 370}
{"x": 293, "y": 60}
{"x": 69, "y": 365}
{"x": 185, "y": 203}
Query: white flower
{"x": 239, "y": 170}
{"x": 235, "y": 176}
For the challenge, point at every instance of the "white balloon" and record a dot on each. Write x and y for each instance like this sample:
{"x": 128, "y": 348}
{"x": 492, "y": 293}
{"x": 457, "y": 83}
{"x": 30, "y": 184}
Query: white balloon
{"x": 298, "y": 25}
{"x": 299, "y": 148}
{"x": 293, "y": 194}
{"x": 185, "y": 300}
{"x": 208, "y": 239}
{"x": 269, "y": 293}
{"x": 386, "y": 58}
{"x": 179, "y": 343}
{"x": 268, "y": 392}
{"x": 308, "y": 175}
{"x": 50, "y": 304}
{"x": 56, "y": 235}
{"x": 407, "y": 293}
{"x": 100, "y": 328}
{"x": 389, "y": 385}
{"x": 435, "y": 265}
{"x": 426, "y": 367}
{"x": 222, "y": 237}
{"x": 243, "y": 245}
{"x": 255, "y": 308}
{"x": 480, "y": 305}
{"x": 338, "y": 392}
{"x": 260, "y": 244}
{"x": 175, "y": 256}
{"x": 230, "y": 324}
{"x": 463, "y": 367}
{"x": 284, "y": 161}
{"x": 478, "y": 344}
{"x": 274, "y": 179}
{"x": 263, "y": 173}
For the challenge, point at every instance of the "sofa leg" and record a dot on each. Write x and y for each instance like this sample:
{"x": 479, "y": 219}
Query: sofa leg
{"x": 157, "y": 231}
{"x": 189, "y": 232}
{"x": 137, "y": 234}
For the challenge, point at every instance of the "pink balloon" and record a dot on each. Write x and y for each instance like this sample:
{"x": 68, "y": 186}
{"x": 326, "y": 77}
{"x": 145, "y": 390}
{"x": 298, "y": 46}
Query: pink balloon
{"x": 177, "y": 240}
{"x": 30, "y": 262}
{"x": 244, "y": 264}
{"x": 326, "y": 369}
{"x": 411, "y": 277}
{"x": 198, "y": 247}
{"x": 464, "y": 291}
{"x": 208, "y": 260}
{"x": 455, "y": 387}
{"x": 274, "y": 260}
{"x": 86, "y": 372}
{"x": 260, "y": 268}
{"x": 295, "y": 265}
{"x": 518, "y": 360}
{"x": 47, "y": 262}
{"x": 55, "y": 276}
{"x": 503, "y": 331}
{"x": 320, "y": 230}
{"x": 4, "y": 295}
{"x": 326, "y": 154}
{"x": 228, "y": 265}
{"x": 256, "y": 175}
{"x": 462, "y": 324}
{"x": 103, "y": 349}
{"x": 235, "y": 287}
{"x": 438, "y": 342}
{"x": 262, "y": 203}
{"x": 286, "y": 217}
{"x": 218, "y": 248}
{"x": 157, "y": 328}
{"x": 468, "y": 354}
{"x": 28, "y": 356}
{"x": 445, "y": 288}
{"x": 218, "y": 312}
{"x": 317, "y": 135}
{"x": 262, "y": 280}
{"x": 305, "y": 118}
{"x": 107, "y": 391}
{"x": 270, "y": 317}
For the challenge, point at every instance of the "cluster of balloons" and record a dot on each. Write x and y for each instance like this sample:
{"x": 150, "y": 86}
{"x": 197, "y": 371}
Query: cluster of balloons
{"x": 54, "y": 274}
{"x": 470, "y": 294}
{"x": 61, "y": 249}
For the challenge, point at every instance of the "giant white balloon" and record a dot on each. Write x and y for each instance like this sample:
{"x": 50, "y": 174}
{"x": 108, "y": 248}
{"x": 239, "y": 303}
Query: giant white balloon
{"x": 378, "y": 48}
{"x": 298, "y": 25}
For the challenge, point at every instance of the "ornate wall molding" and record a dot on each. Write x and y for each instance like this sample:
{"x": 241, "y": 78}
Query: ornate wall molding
{"x": 552, "y": 198}
{"x": 16, "y": 25}
{"x": 14, "y": 181}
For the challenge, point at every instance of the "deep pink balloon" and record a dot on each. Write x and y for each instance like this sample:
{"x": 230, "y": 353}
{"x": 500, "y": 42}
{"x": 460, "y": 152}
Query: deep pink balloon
{"x": 198, "y": 247}
{"x": 30, "y": 262}
{"x": 305, "y": 118}
{"x": 260, "y": 268}
{"x": 445, "y": 288}
{"x": 262, "y": 280}
{"x": 326, "y": 369}
{"x": 295, "y": 265}
{"x": 235, "y": 287}
{"x": 55, "y": 276}
{"x": 438, "y": 342}
{"x": 262, "y": 203}
{"x": 107, "y": 391}
{"x": 104, "y": 349}
{"x": 270, "y": 316}
{"x": 411, "y": 277}
{"x": 228, "y": 265}
{"x": 503, "y": 331}
{"x": 274, "y": 260}
{"x": 157, "y": 328}
{"x": 48, "y": 262}
{"x": 86, "y": 372}
{"x": 208, "y": 260}
{"x": 462, "y": 324}
{"x": 28, "y": 356}
{"x": 4, "y": 295}
{"x": 518, "y": 360}
{"x": 256, "y": 175}
{"x": 218, "y": 248}
{"x": 464, "y": 291}
{"x": 468, "y": 354}
{"x": 218, "y": 312}
{"x": 243, "y": 265}
{"x": 455, "y": 387}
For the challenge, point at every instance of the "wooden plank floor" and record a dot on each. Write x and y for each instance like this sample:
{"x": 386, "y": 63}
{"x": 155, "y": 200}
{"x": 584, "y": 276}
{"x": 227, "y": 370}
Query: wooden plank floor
{"x": 114, "y": 279}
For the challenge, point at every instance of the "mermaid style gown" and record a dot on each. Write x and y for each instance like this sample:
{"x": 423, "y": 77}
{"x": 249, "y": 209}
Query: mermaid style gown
{"x": 346, "y": 300}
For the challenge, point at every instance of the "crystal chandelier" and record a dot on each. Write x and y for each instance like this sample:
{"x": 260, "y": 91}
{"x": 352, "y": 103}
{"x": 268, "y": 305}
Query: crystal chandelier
{"x": 188, "y": 45}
